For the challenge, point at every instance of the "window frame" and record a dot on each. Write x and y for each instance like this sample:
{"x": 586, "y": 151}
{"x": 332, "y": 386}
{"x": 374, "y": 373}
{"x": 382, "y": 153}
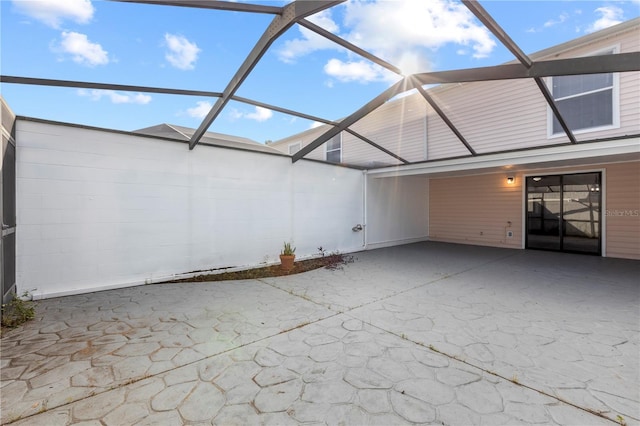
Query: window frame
{"x": 327, "y": 150}
{"x": 615, "y": 99}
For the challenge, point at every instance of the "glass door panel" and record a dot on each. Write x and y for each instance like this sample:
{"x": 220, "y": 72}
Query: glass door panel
{"x": 563, "y": 213}
{"x": 543, "y": 212}
{"x": 581, "y": 213}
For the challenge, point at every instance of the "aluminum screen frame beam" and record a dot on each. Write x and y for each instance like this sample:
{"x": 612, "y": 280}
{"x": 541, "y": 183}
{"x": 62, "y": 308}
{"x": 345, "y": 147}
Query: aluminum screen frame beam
{"x": 282, "y": 110}
{"x": 104, "y": 86}
{"x": 619, "y": 62}
{"x": 291, "y": 14}
{"x": 445, "y": 118}
{"x": 320, "y": 120}
{"x": 375, "y": 145}
{"x": 352, "y": 47}
{"x": 399, "y": 87}
{"x": 488, "y": 21}
{"x": 212, "y": 4}
{"x": 145, "y": 89}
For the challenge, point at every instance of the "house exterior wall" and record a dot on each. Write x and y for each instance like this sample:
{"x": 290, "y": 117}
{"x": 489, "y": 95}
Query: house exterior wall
{"x": 492, "y": 116}
{"x": 100, "y": 210}
{"x": 476, "y": 209}
{"x": 304, "y": 138}
{"x": 397, "y": 210}
{"x": 503, "y": 115}
{"x": 622, "y": 210}
{"x": 399, "y": 126}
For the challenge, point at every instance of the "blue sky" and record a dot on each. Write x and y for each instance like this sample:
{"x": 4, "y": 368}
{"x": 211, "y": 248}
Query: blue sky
{"x": 178, "y": 47}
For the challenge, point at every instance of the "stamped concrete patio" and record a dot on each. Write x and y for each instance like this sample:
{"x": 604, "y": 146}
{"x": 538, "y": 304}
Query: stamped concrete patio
{"x": 423, "y": 333}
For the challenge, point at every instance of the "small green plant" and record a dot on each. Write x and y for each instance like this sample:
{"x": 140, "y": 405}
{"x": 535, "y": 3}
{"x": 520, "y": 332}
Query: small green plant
{"x": 288, "y": 250}
{"x": 18, "y": 311}
{"x": 621, "y": 420}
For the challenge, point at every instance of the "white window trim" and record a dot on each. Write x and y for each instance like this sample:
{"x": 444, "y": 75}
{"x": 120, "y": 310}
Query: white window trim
{"x": 615, "y": 99}
{"x": 332, "y": 150}
{"x": 299, "y": 144}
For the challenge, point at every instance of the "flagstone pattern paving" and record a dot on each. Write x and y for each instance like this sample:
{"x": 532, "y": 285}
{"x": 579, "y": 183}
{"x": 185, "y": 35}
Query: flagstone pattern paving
{"x": 425, "y": 333}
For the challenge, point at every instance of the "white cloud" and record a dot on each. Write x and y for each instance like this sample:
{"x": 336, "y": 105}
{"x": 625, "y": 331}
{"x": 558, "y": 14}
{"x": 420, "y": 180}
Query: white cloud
{"x": 259, "y": 114}
{"x": 360, "y": 71}
{"x": 413, "y": 25}
{"x": 315, "y": 125}
{"x": 310, "y": 41}
{"x": 201, "y": 109}
{"x": 82, "y": 50}
{"x": 562, "y": 18}
{"x": 609, "y": 16}
{"x": 53, "y": 12}
{"x": 115, "y": 97}
{"x": 182, "y": 53}
{"x": 401, "y": 32}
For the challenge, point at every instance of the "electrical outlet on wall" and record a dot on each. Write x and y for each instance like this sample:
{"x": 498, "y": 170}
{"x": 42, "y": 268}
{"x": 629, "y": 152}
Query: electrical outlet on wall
{"x": 509, "y": 234}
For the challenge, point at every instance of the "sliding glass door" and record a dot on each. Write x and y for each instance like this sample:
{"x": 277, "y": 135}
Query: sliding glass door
{"x": 563, "y": 213}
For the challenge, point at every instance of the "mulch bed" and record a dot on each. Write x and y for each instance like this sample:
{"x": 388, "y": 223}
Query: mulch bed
{"x": 331, "y": 261}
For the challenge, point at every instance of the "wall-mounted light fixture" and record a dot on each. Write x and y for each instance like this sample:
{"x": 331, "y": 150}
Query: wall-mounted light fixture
{"x": 510, "y": 180}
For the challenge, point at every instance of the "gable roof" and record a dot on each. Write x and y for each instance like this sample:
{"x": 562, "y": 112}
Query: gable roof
{"x": 184, "y": 133}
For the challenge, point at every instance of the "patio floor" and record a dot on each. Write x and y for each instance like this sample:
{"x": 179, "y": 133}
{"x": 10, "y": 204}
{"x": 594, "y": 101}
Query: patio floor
{"x": 422, "y": 333}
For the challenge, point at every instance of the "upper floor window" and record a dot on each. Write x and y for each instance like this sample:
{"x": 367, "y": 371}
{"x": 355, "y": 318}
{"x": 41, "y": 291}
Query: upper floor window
{"x": 585, "y": 102}
{"x": 334, "y": 149}
{"x": 294, "y": 147}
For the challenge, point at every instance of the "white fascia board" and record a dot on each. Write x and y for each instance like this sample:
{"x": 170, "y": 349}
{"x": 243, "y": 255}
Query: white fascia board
{"x": 558, "y": 155}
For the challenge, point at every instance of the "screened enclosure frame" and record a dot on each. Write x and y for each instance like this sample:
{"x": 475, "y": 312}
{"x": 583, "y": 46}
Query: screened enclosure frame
{"x": 296, "y": 12}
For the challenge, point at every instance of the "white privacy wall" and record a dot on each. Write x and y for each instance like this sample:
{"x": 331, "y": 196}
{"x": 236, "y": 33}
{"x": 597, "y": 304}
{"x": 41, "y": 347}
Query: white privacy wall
{"x": 397, "y": 210}
{"x": 99, "y": 209}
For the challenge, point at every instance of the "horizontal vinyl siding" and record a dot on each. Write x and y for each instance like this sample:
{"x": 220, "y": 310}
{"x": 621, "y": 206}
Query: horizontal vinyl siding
{"x": 502, "y": 115}
{"x": 621, "y": 194}
{"x": 305, "y": 138}
{"x": 475, "y": 210}
{"x": 492, "y": 116}
{"x": 356, "y": 151}
{"x": 623, "y": 207}
{"x": 629, "y": 104}
{"x": 461, "y": 208}
{"x": 441, "y": 141}
{"x": 629, "y": 85}
{"x": 399, "y": 126}
{"x": 497, "y": 115}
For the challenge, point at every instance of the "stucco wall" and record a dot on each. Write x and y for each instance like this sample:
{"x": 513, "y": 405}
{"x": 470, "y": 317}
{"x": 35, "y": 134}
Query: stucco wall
{"x": 100, "y": 209}
{"x": 397, "y": 210}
